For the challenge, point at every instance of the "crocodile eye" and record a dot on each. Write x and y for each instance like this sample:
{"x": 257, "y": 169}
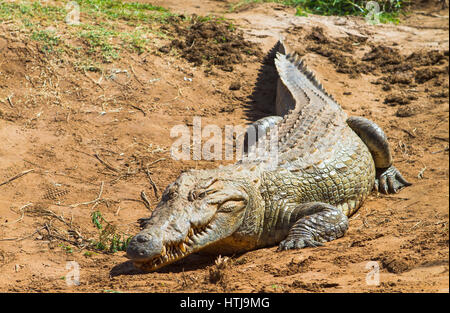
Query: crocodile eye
{"x": 202, "y": 194}
{"x": 192, "y": 195}
{"x": 197, "y": 195}
{"x": 231, "y": 205}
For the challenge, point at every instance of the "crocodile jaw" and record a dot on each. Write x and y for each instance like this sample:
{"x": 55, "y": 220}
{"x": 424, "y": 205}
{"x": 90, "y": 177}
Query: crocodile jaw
{"x": 196, "y": 239}
{"x": 151, "y": 250}
{"x": 192, "y": 215}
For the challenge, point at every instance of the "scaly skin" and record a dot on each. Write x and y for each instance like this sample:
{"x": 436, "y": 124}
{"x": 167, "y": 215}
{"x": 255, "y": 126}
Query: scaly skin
{"x": 327, "y": 166}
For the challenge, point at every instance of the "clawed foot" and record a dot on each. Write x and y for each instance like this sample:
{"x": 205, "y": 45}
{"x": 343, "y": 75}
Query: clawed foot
{"x": 390, "y": 180}
{"x": 298, "y": 244}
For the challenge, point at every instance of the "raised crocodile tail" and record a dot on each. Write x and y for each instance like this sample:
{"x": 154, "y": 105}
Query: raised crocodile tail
{"x": 308, "y": 109}
{"x": 284, "y": 99}
{"x": 295, "y": 75}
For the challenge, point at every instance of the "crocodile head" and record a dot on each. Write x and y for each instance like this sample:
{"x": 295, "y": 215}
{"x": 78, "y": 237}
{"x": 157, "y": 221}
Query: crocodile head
{"x": 197, "y": 210}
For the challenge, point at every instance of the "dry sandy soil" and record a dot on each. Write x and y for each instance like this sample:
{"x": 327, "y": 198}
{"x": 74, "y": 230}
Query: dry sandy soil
{"x": 89, "y": 140}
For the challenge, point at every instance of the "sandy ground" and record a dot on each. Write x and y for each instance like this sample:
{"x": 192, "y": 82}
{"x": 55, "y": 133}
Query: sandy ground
{"x": 86, "y": 142}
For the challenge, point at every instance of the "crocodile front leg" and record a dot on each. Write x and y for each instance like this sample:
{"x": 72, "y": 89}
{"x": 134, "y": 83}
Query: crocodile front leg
{"x": 320, "y": 223}
{"x": 388, "y": 178}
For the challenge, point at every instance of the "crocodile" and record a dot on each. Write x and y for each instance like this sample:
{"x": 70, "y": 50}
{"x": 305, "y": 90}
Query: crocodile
{"x": 327, "y": 165}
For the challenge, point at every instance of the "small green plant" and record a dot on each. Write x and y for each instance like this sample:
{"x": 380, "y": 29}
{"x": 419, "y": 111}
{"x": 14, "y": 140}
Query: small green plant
{"x": 97, "y": 219}
{"x": 87, "y": 65}
{"x": 231, "y": 27}
{"x": 67, "y": 249}
{"x": 136, "y": 40}
{"x": 109, "y": 239}
{"x": 88, "y": 254}
{"x": 99, "y": 41}
{"x": 47, "y": 38}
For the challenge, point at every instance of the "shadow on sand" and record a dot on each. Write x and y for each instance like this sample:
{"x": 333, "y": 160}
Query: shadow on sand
{"x": 262, "y": 101}
{"x": 189, "y": 263}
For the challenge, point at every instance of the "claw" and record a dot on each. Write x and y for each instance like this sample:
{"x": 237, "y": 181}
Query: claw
{"x": 390, "y": 180}
{"x": 401, "y": 179}
{"x": 383, "y": 185}
{"x": 298, "y": 244}
{"x": 312, "y": 243}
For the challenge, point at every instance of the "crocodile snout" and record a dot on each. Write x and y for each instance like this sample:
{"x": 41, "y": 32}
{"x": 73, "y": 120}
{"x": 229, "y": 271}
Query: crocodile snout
{"x": 144, "y": 246}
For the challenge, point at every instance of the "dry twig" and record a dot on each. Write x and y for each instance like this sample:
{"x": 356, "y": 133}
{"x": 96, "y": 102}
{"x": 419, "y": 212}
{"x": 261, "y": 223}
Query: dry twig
{"x": 23, "y": 238}
{"x": 99, "y": 197}
{"x": 17, "y": 176}
{"x": 155, "y": 189}
{"x": 106, "y": 164}
{"x": 22, "y": 210}
{"x": 145, "y": 200}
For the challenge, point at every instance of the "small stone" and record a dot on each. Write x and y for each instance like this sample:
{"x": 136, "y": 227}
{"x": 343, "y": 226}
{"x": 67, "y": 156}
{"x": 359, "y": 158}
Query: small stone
{"x": 235, "y": 86}
{"x": 405, "y": 112}
{"x": 164, "y": 49}
{"x": 387, "y": 87}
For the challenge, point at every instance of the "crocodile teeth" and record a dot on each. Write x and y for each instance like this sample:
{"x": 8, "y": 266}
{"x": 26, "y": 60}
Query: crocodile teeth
{"x": 182, "y": 247}
{"x": 163, "y": 252}
{"x": 195, "y": 237}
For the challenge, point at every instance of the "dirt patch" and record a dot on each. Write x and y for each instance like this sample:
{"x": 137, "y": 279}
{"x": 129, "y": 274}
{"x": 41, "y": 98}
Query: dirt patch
{"x": 211, "y": 42}
{"x": 399, "y": 98}
{"x": 405, "y": 112}
{"x": 313, "y": 287}
{"x": 401, "y": 69}
{"x": 338, "y": 51}
{"x": 398, "y": 264}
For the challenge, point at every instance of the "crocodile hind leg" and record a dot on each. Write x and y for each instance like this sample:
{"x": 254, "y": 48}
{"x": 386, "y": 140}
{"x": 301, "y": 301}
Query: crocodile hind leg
{"x": 320, "y": 222}
{"x": 388, "y": 178}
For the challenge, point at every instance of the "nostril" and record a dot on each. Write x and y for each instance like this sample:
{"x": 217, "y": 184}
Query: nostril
{"x": 142, "y": 238}
{"x": 144, "y": 246}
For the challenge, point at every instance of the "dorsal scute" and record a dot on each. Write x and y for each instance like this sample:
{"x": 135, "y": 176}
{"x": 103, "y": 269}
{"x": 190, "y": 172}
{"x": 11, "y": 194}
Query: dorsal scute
{"x": 313, "y": 127}
{"x": 296, "y": 59}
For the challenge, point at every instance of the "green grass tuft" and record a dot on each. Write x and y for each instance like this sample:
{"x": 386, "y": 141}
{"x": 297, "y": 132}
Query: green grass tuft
{"x": 390, "y": 10}
{"x": 48, "y": 39}
{"x": 96, "y": 30}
